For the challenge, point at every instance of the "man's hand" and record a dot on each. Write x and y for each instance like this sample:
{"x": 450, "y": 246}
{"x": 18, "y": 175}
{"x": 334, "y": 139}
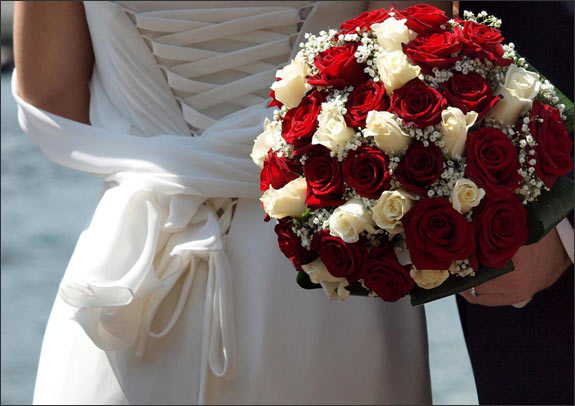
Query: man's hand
{"x": 537, "y": 267}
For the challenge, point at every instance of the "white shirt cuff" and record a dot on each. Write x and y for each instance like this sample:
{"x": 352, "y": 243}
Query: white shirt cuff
{"x": 566, "y": 234}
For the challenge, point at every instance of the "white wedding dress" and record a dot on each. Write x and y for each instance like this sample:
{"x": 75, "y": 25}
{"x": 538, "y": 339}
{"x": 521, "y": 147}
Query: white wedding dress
{"x": 177, "y": 292}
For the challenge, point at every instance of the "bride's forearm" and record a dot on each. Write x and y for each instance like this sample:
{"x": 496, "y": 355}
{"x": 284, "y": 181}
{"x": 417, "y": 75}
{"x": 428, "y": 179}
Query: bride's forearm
{"x": 443, "y": 5}
{"x": 53, "y": 56}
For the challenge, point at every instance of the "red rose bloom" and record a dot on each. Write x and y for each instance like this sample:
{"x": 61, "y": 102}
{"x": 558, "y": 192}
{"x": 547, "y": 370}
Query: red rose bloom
{"x": 300, "y": 123}
{"x": 290, "y": 245}
{"x": 553, "y": 151}
{"x": 469, "y": 93}
{"x": 367, "y": 171}
{"x": 481, "y": 41}
{"x": 425, "y": 18}
{"x": 437, "y": 234}
{"x": 492, "y": 162}
{"x": 338, "y": 67}
{"x": 364, "y": 98}
{"x": 278, "y": 172}
{"x": 433, "y": 50}
{"x": 500, "y": 229}
{"x": 342, "y": 260}
{"x": 324, "y": 176}
{"x": 420, "y": 167}
{"x": 363, "y": 21}
{"x": 418, "y": 104}
{"x": 385, "y": 276}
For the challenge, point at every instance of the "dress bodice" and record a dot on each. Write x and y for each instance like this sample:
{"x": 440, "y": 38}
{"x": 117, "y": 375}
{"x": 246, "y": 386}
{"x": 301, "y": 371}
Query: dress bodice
{"x": 218, "y": 57}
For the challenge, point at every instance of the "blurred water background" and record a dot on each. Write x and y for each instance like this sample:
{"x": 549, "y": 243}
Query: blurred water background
{"x": 44, "y": 209}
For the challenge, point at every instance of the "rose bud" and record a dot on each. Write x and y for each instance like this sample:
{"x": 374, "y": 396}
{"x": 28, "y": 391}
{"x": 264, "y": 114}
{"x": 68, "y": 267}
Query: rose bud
{"x": 368, "y": 96}
{"x": 500, "y": 229}
{"x": 418, "y": 104}
{"x": 299, "y": 124}
{"x": 366, "y": 170}
{"x": 469, "y": 93}
{"x": 481, "y": 41}
{"x": 420, "y": 167}
{"x": 338, "y": 68}
{"x": 554, "y": 147}
{"x": 290, "y": 245}
{"x": 385, "y": 276}
{"x": 492, "y": 162}
{"x": 324, "y": 177}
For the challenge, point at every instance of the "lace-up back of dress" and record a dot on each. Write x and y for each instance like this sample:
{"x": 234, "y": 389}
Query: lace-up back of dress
{"x": 218, "y": 57}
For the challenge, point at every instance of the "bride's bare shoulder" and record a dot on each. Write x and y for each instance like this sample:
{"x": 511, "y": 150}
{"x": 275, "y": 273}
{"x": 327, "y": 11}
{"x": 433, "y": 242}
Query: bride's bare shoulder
{"x": 53, "y": 56}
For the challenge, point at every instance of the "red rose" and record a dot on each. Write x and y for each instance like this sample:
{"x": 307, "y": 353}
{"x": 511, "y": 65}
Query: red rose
{"x": 469, "y": 93}
{"x": 300, "y": 123}
{"x": 278, "y": 172}
{"x": 418, "y": 104}
{"x": 385, "y": 276}
{"x": 481, "y": 41}
{"x": 363, "y": 21}
{"x": 324, "y": 177}
{"x": 420, "y": 167}
{"x": 500, "y": 229}
{"x": 554, "y": 147}
{"x": 437, "y": 234}
{"x": 290, "y": 246}
{"x": 433, "y": 50}
{"x": 364, "y": 98}
{"x": 425, "y": 18}
{"x": 338, "y": 67}
{"x": 492, "y": 162}
{"x": 367, "y": 171}
{"x": 342, "y": 260}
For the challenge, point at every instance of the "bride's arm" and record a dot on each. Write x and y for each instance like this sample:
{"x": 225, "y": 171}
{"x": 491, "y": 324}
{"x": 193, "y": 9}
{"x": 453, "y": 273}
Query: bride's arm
{"x": 400, "y": 5}
{"x": 53, "y": 56}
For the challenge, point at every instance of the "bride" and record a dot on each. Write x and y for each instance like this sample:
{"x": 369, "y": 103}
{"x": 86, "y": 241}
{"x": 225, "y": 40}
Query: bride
{"x": 177, "y": 292}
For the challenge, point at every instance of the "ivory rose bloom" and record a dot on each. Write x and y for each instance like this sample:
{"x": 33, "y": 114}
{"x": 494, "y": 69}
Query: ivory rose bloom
{"x": 293, "y": 86}
{"x": 333, "y": 287}
{"x": 332, "y": 131}
{"x": 466, "y": 195}
{"x": 263, "y": 143}
{"x": 395, "y": 70}
{"x": 518, "y": 91}
{"x": 392, "y": 33}
{"x": 454, "y": 127}
{"x": 349, "y": 220}
{"x": 387, "y": 134}
{"x": 428, "y": 278}
{"x": 286, "y": 201}
{"x": 391, "y": 207}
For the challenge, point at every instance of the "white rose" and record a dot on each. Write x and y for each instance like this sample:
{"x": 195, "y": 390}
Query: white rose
{"x": 518, "y": 91}
{"x": 390, "y": 208}
{"x": 333, "y": 287}
{"x": 395, "y": 70}
{"x": 286, "y": 201}
{"x": 386, "y": 132}
{"x": 454, "y": 126}
{"x": 332, "y": 131}
{"x": 262, "y": 144}
{"x": 466, "y": 195}
{"x": 392, "y": 33}
{"x": 349, "y": 220}
{"x": 428, "y": 278}
{"x": 293, "y": 85}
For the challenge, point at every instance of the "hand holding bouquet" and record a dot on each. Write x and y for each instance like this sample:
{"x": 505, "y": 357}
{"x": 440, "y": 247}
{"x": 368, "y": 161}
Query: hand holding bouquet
{"x": 409, "y": 151}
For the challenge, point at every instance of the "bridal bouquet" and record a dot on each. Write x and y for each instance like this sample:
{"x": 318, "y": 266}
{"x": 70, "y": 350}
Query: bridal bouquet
{"x": 409, "y": 151}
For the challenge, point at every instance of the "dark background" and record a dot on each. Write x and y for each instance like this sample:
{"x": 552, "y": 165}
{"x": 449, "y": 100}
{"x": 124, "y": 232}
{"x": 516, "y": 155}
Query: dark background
{"x": 542, "y": 32}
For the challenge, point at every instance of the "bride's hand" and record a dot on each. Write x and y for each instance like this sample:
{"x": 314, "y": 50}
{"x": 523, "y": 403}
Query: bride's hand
{"x": 537, "y": 267}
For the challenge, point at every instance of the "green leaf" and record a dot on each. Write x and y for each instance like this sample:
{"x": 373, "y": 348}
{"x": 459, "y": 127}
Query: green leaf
{"x": 549, "y": 209}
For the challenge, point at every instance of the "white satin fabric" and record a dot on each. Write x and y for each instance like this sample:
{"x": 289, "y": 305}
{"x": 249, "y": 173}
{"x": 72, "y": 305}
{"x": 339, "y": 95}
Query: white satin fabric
{"x": 170, "y": 298}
